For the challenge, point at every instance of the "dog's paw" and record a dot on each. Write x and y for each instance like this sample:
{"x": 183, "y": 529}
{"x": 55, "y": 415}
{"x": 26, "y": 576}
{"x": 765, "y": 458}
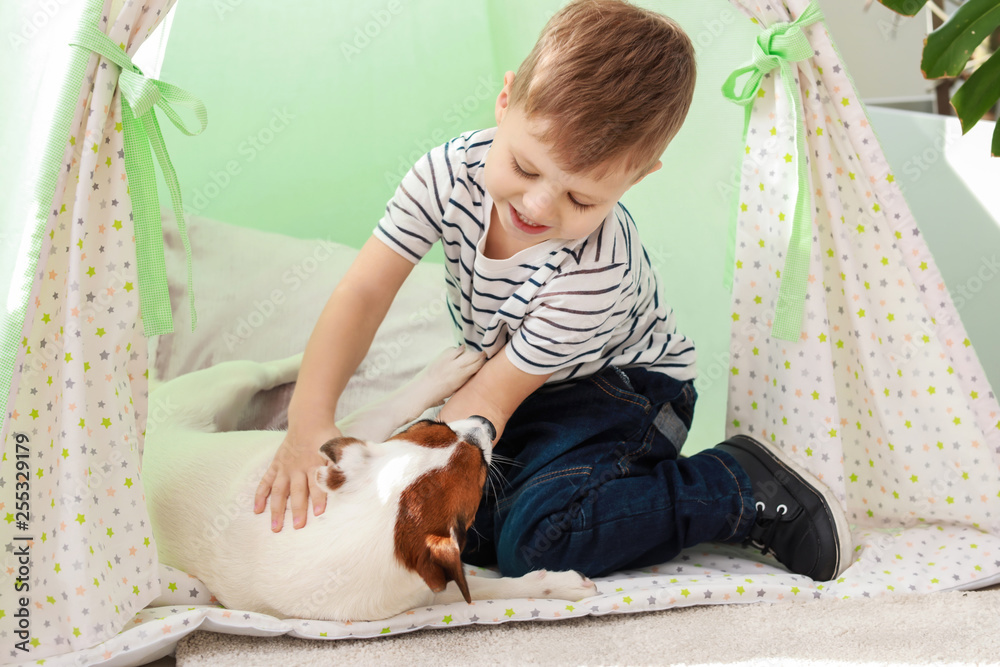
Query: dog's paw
{"x": 284, "y": 370}
{"x": 568, "y": 585}
{"x": 449, "y": 371}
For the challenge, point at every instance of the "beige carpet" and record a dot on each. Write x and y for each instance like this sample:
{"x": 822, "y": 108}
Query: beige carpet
{"x": 940, "y": 629}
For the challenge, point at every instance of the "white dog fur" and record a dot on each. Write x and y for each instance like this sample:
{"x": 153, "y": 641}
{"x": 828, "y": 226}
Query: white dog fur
{"x": 362, "y": 558}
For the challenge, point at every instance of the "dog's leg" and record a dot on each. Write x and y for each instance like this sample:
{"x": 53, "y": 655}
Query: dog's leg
{"x": 282, "y": 371}
{"x": 437, "y": 381}
{"x": 219, "y": 394}
{"x": 245, "y": 379}
{"x": 543, "y": 584}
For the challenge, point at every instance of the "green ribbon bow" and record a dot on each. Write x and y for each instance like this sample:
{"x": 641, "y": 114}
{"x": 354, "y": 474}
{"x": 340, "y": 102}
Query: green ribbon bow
{"x": 138, "y": 97}
{"x": 777, "y": 47}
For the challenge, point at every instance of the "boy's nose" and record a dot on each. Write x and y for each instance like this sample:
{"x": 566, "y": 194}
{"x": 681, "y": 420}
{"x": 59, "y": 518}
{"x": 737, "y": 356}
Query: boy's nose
{"x": 537, "y": 203}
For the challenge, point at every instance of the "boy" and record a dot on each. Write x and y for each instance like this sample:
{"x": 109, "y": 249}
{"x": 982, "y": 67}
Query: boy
{"x": 588, "y": 382}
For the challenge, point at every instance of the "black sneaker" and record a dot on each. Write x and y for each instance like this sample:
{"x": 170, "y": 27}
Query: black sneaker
{"x": 799, "y": 520}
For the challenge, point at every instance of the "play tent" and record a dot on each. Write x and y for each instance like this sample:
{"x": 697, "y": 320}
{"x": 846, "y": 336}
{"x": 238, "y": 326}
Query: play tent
{"x": 786, "y": 247}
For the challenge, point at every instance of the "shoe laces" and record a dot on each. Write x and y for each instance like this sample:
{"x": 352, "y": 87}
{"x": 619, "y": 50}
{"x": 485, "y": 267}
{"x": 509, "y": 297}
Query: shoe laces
{"x": 770, "y": 526}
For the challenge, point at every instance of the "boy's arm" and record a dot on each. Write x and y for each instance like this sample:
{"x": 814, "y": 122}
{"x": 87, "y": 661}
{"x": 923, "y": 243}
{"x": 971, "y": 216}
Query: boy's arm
{"x": 336, "y": 347}
{"x": 494, "y": 392}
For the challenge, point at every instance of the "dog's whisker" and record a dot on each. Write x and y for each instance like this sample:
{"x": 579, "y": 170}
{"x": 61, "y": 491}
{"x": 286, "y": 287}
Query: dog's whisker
{"x": 506, "y": 460}
{"x": 498, "y": 483}
{"x": 491, "y": 480}
{"x": 477, "y": 532}
{"x": 500, "y": 476}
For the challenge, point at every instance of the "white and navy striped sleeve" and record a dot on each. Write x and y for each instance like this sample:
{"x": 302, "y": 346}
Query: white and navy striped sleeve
{"x": 572, "y": 319}
{"x": 413, "y": 217}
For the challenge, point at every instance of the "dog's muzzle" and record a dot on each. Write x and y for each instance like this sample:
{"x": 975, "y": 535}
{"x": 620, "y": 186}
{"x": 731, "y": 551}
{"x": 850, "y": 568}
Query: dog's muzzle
{"x": 491, "y": 431}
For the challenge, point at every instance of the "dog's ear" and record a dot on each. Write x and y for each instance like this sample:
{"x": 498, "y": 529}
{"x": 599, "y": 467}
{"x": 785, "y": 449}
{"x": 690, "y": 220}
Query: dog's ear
{"x": 443, "y": 562}
{"x": 331, "y": 476}
{"x": 333, "y": 448}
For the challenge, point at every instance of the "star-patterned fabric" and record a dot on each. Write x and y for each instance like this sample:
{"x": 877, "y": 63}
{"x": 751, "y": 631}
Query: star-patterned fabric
{"x": 74, "y": 430}
{"x": 707, "y": 574}
{"x": 883, "y": 397}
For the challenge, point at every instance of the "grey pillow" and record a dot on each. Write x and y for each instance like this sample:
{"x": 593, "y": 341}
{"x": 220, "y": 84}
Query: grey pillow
{"x": 258, "y": 296}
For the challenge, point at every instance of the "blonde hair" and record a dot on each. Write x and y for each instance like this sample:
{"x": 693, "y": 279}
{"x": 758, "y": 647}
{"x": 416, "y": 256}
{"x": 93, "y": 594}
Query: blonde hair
{"x": 615, "y": 82}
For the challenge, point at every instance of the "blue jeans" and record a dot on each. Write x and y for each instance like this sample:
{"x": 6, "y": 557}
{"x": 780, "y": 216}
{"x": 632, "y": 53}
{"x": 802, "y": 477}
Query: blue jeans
{"x": 593, "y": 481}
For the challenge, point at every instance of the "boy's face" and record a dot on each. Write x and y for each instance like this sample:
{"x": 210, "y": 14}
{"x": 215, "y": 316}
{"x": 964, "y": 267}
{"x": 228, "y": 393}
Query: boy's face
{"x": 533, "y": 199}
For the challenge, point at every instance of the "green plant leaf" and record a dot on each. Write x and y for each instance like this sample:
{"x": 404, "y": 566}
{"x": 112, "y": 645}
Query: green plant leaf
{"x": 995, "y": 150}
{"x": 978, "y": 94}
{"x": 904, "y": 7}
{"x": 949, "y": 48}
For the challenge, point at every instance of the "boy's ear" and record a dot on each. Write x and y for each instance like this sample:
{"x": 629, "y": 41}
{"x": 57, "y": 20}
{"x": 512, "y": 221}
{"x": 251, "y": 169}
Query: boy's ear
{"x": 655, "y": 167}
{"x": 503, "y": 99}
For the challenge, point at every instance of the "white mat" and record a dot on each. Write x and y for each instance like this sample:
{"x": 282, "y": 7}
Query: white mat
{"x": 920, "y": 560}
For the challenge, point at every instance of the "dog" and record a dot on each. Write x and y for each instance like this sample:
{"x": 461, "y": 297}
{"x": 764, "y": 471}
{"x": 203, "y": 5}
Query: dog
{"x": 397, "y": 511}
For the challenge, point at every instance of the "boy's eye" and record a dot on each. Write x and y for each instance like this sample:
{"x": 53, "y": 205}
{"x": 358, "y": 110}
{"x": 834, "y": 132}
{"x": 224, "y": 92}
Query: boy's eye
{"x": 578, "y": 205}
{"x": 520, "y": 172}
{"x": 523, "y": 174}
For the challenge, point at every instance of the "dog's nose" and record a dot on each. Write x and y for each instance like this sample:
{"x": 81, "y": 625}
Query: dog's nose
{"x": 488, "y": 425}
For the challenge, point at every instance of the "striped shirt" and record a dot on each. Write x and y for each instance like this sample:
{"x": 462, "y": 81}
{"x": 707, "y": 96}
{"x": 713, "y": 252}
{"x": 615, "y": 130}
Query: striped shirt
{"x": 569, "y": 308}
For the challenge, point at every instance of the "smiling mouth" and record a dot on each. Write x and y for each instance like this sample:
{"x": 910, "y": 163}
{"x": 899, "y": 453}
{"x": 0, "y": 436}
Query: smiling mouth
{"x": 524, "y": 224}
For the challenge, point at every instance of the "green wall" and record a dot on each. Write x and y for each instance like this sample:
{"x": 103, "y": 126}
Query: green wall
{"x": 337, "y": 115}
{"x": 357, "y": 91}
{"x": 313, "y": 122}
{"x": 317, "y": 109}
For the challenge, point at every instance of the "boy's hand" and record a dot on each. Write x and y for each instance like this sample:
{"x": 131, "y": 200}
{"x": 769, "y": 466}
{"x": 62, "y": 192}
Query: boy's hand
{"x": 292, "y": 474}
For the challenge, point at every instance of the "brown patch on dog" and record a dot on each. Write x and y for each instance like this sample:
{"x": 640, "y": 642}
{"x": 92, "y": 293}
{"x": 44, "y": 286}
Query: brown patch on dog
{"x": 331, "y": 476}
{"x": 437, "y": 509}
{"x": 428, "y": 434}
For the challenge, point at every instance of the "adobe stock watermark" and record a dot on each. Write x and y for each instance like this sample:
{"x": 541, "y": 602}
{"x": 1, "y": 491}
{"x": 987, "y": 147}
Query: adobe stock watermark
{"x": 238, "y": 510}
{"x": 225, "y": 7}
{"x": 749, "y": 332}
{"x": 967, "y": 291}
{"x": 34, "y": 23}
{"x": 266, "y": 307}
{"x": 961, "y": 295}
{"x": 713, "y": 29}
{"x": 93, "y": 304}
{"x": 920, "y": 163}
{"x": 237, "y": 507}
{"x": 249, "y": 149}
{"x": 659, "y": 256}
{"x": 755, "y": 160}
{"x": 364, "y": 34}
{"x": 383, "y": 354}
{"x": 460, "y": 111}
{"x": 554, "y": 534}
{"x": 159, "y": 411}
{"x": 889, "y": 27}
